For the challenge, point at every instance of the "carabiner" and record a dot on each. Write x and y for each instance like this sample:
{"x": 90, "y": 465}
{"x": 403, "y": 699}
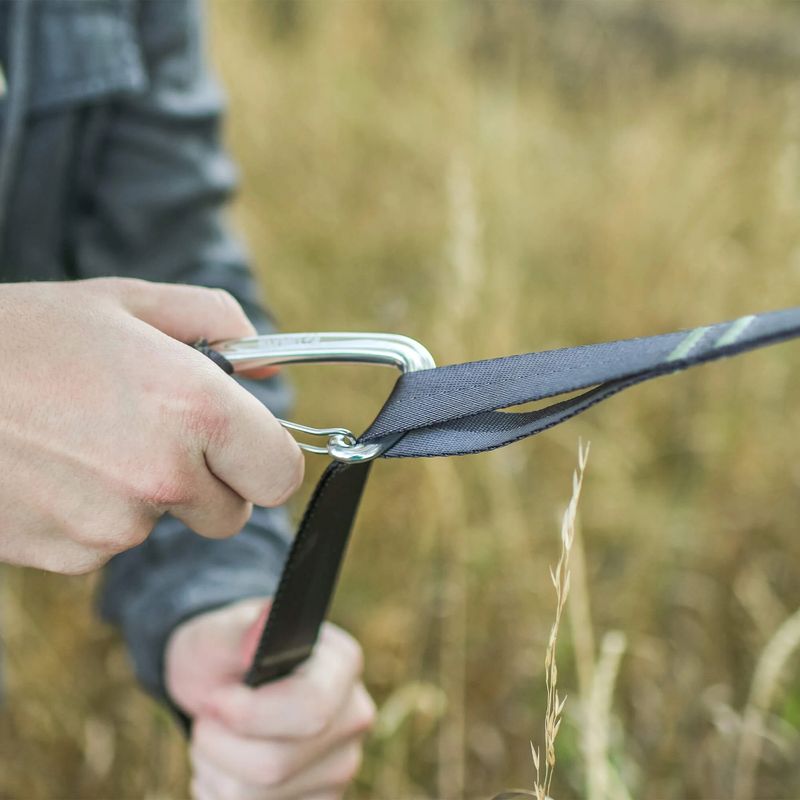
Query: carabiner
{"x": 386, "y": 349}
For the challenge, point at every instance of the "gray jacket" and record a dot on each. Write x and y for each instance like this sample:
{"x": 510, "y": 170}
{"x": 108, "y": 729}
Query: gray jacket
{"x": 110, "y": 164}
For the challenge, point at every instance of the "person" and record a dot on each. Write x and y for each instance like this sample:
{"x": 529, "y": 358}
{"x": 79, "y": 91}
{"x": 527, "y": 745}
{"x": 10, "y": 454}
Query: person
{"x": 118, "y": 442}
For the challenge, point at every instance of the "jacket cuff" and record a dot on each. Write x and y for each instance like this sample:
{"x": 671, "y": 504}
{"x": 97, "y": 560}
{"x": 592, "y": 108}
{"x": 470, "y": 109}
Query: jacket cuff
{"x": 176, "y": 574}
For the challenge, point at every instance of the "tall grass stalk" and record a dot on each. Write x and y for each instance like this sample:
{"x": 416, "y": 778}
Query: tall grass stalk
{"x": 597, "y": 721}
{"x": 580, "y": 617}
{"x": 766, "y": 680}
{"x": 561, "y": 578}
{"x": 597, "y": 677}
{"x": 458, "y": 305}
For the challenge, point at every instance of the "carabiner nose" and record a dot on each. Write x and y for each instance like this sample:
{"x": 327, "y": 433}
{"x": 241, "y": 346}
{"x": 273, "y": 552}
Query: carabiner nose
{"x": 385, "y": 349}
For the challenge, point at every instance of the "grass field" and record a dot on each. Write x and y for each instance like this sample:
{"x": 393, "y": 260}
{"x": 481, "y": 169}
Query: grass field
{"x": 491, "y": 178}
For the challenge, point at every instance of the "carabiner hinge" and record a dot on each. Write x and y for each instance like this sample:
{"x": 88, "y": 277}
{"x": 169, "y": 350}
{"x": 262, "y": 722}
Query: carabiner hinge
{"x": 385, "y": 349}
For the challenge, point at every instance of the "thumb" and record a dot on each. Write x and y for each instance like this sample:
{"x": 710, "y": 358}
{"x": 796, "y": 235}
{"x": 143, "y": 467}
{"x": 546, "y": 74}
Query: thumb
{"x": 209, "y": 651}
{"x": 186, "y": 313}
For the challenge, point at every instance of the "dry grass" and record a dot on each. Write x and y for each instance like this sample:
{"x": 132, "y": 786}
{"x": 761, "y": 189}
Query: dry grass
{"x": 598, "y": 722}
{"x": 593, "y": 181}
{"x": 769, "y": 672}
{"x": 561, "y": 578}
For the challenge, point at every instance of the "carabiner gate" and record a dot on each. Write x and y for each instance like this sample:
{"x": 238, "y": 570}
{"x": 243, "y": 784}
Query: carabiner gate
{"x": 386, "y": 349}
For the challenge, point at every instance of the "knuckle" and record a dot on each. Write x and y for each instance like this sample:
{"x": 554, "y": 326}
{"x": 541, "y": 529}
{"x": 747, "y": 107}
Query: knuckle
{"x": 349, "y": 766}
{"x": 78, "y": 565}
{"x": 204, "y": 416}
{"x": 236, "y": 517}
{"x": 89, "y": 534}
{"x": 317, "y": 715}
{"x": 313, "y": 724}
{"x": 134, "y": 533}
{"x": 273, "y": 772}
{"x": 107, "y": 538}
{"x": 226, "y": 300}
{"x": 123, "y": 285}
{"x": 366, "y": 712}
{"x": 167, "y": 486}
{"x": 239, "y": 717}
{"x": 104, "y": 283}
{"x": 118, "y": 289}
{"x": 231, "y": 309}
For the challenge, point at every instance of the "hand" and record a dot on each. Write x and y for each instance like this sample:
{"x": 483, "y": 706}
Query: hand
{"x": 107, "y": 421}
{"x": 298, "y": 738}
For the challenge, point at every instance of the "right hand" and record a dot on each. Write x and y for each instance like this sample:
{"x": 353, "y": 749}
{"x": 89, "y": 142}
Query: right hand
{"x": 296, "y": 738}
{"x": 108, "y": 420}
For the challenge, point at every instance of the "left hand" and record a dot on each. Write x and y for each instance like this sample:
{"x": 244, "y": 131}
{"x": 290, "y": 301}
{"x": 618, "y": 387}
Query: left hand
{"x": 296, "y": 738}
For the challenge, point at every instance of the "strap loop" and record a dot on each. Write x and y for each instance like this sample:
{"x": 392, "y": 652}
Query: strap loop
{"x": 454, "y": 410}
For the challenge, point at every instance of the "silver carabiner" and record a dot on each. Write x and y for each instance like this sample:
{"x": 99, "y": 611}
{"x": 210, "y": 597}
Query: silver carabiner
{"x": 387, "y": 349}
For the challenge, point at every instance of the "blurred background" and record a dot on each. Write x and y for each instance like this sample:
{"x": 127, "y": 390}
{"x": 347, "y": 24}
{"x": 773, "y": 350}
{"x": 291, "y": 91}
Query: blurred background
{"x": 493, "y": 177}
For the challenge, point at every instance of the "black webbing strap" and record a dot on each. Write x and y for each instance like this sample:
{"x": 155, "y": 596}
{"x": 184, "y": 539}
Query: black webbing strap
{"x": 309, "y": 574}
{"x": 454, "y": 410}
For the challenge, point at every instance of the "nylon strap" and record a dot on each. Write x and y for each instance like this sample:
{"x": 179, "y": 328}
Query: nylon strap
{"x": 455, "y": 410}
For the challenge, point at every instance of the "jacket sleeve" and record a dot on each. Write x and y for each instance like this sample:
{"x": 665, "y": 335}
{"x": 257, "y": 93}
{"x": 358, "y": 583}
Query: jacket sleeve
{"x": 152, "y": 184}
